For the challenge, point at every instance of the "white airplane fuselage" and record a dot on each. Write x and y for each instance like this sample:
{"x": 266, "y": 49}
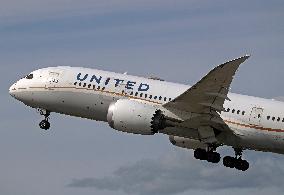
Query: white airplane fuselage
{"x": 256, "y": 123}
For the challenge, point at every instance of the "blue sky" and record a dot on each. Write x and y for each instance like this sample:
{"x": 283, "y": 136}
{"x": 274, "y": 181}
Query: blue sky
{"x": 179, "y": 41}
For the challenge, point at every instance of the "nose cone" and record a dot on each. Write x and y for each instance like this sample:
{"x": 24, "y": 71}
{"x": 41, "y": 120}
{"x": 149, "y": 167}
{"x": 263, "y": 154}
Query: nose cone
{"x": 12, "y": 90}
{"x": 20, "y": 92}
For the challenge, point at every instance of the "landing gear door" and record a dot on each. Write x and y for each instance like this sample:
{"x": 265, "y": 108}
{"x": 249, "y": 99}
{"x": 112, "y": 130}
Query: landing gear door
{"x": 256, "y": 115}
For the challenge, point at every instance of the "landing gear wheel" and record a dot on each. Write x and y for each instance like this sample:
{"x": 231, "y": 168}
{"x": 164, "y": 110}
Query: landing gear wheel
{"x": 238, "y": 164}
{"x": 229, "y": 161}
{"x": 245, "y": 165}
{"x": 213, "y": 157}
{"x": 200, "y": 154}
{"x": 44, "y": 124}
{"x": 210, "y": 156}
{"x": 237, "y": 161}
{"x": 242, "y": 165}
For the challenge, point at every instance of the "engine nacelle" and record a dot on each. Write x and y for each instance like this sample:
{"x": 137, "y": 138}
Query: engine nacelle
{"x": 135, "y": 117}
{"x": 187, "y": 143}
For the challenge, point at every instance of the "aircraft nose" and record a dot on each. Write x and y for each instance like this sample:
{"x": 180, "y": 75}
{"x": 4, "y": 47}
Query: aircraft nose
{"x": 12, "y": 90}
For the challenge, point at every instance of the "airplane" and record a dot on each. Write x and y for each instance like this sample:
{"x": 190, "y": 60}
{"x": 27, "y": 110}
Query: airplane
{"x": 202, "y": 117}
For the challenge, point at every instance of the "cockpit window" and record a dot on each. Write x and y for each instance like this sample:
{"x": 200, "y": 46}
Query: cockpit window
{"x": 30, "y": 76}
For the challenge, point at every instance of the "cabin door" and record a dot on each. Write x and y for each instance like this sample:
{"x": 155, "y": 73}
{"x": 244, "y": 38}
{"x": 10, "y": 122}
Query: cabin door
{"x": 256, "y": 115}
{"x": 53, "y": 79}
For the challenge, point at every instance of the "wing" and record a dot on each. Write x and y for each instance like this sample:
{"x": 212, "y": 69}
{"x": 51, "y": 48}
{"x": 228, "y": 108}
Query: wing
{"x": 206, "y": 98}
{"x": 210, "y": 92}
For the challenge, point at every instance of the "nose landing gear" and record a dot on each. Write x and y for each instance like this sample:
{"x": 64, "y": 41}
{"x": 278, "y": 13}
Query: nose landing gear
{"x": 44, "y": 124}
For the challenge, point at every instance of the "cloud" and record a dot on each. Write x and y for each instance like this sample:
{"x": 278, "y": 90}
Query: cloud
{"x": 178, "y": 172}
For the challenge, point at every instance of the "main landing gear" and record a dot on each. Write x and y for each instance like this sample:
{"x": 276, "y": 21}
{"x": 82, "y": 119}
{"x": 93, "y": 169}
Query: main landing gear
{"x": 209, "y": 155}
{"x": 236, "y": 162}
{"x": 212, "y": 156}
{"x": 44, "y": 124}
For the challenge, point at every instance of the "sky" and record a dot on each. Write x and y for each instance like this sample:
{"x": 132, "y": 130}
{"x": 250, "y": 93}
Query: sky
{"x": 179, "y": 41}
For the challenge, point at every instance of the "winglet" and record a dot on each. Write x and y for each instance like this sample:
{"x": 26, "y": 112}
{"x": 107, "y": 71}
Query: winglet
{"x": 240, "y": 59}
{"x": 245, "y": 57}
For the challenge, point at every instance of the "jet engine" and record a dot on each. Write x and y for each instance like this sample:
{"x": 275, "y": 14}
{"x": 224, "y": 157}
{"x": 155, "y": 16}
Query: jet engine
{"x": 135, "y": 117}
{"x": 187, "y": 142}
